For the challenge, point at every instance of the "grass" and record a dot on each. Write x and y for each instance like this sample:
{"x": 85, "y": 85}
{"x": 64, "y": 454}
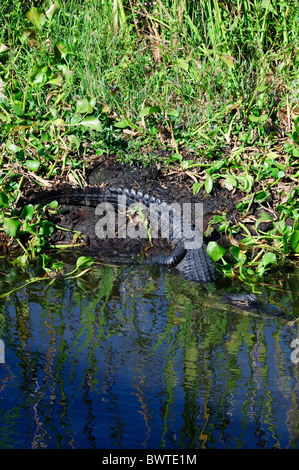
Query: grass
{"x": 195, "y": 80}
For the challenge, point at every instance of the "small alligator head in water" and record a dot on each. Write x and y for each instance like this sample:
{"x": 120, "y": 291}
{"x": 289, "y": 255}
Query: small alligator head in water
{"x": 250, "y": 302}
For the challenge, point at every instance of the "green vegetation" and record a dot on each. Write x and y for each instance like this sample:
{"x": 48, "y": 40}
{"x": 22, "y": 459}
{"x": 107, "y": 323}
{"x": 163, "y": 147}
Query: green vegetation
{"x": 211, "y": 86}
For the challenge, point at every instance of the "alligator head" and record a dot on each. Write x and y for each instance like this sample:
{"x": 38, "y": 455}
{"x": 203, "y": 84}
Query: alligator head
{"x": 250, "y": 302}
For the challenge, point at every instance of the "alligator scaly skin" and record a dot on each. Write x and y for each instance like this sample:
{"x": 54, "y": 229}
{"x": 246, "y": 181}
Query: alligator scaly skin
{"x": 193, "y": 264}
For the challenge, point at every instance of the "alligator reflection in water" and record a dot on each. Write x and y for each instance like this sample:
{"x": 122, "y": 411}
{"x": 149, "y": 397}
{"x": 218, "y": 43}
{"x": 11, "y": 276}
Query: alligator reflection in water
{"x": 136, "y": 358}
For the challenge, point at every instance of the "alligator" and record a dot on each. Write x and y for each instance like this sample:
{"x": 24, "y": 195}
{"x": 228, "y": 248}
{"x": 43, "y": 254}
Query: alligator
{"x": 189, "y": 256}
{"x": 251, "y": 304}
{"x": 192, "y": 263}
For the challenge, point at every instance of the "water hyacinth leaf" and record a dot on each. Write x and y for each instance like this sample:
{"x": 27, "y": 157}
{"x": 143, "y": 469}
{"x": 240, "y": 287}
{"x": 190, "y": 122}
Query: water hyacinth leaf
{"x": 46, "y": 229}
{"x": 59, "y": 122}
{"x": 268, "y": 258}
{"x": 208, "y": 184}
{"x": 261, "y": 196}
{"x": 32, "y": 165}
{"x": 56, "y": 79}
{"x": 12, "y": 226}
{"x": 230, "y": 182}
{"x": 197, "y": 187}
{"x": 12, "y": 147}
{"x": 28, "y": 212}
{"x": 84, "y": 107}
{"x": 45, "y": 260}
{"x": 21, "y": 260}
{"x": 18, "y": 110}
{"x": 54, "y": 9}
{"x": 92, "y": 123}
{"x": 235, "y": 251}
{"x": 3, "y": 48}
{"x": 73, "y": 139}
{"x": 174, "y": 113}
{"x": 228, "y": 60}
{"x": 122, "y": 124}
{"x": 182, "y": 64}
{"x": 61, "y": 49}
{"x": 215, "y": 251}
{"x": 258, "y": 119}
{"x": 294, "y": 241}
{"x": 53, "y": 204}
{"x": 264, "y": 218}
{"x": 84, "y": 261}
{"x": 148, "y": 110}
{"x": 227, "y": 269}
{"x": 3, "y": 200}
{"x": 37, "y": 17}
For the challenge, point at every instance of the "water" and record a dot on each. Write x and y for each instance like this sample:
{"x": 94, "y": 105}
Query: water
{"x": 135, "y": 358}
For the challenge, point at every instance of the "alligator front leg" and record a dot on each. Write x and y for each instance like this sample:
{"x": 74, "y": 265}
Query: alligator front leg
{"x": 173, "y": 259}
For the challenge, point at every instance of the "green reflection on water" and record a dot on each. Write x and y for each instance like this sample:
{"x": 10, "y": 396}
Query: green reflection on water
{"x": 130, "y": 357}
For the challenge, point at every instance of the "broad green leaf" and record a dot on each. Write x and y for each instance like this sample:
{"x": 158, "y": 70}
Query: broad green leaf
{"x": 62, "y": 49}
{"x": 54, "y": 9}
{"x": 208, "y": 184}
{"x": 84, "y": 107}
{"x": 59, "y": 122}
{"x": 58, "y": 265}
{"x": 73, "y": 139}
{"x": 268, "y": 258}
{"x": 254, "y": 118}
{"x": 228, "y": 60}
{"x": 235, "y": 251}
{"x": 12, "y": 147}
{"x": 230, "y": 182}
{"x": 92, "y": 123}
{"x": 56, "y": 79}
{"x": 12, "y": 226}
{"x": 21, "y": 260}
{"x": 182, "y": 64}
{"x": 37, "y": 17}
{"x": 32, "y": 165}
{"x": 45, "y": 260}
{"x": 84, "y": 261}
{"x": 294, "y": 240}
{"x": 122, "y": 124}
{"x": 174, "y": 113}
{"x": 28, "y": 33}
{"x": 215, "y": 251}
{"x": 3, "y": 200}
{"x": 197, "y": 187}
{"x": 46, "y": 229}
{"x": 150, "y": 110}
{"x": 18, "y": 110}
{"x": 264, "y": 218}
{"x": 3, "y": 48}
{"x": 28, "y": 212}
{"x": 261, "y": 196}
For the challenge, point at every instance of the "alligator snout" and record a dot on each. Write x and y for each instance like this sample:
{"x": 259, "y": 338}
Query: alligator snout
{"x": 250, "y": 302}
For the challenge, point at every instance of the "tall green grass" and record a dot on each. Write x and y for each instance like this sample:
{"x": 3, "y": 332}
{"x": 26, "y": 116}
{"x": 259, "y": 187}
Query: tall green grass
{"x": 127, "y": 77}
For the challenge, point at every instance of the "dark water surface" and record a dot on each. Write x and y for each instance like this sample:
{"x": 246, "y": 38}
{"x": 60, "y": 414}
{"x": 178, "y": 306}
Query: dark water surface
{"x": 137, "y": 358}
